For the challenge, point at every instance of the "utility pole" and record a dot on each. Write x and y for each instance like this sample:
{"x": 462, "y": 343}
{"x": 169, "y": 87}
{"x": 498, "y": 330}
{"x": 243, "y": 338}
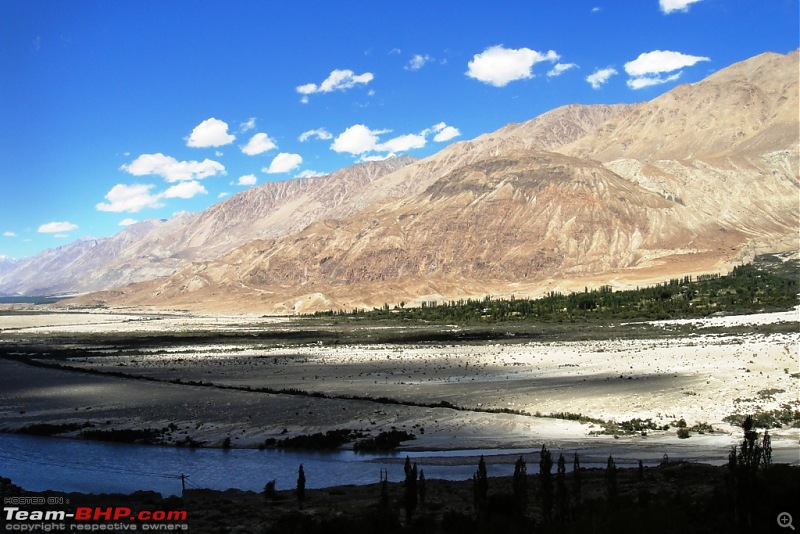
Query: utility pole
{"x": 183, "y": 486}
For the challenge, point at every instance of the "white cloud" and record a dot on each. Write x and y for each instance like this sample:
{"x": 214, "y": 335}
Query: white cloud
{"x": 171, "y": 169}
{"x": 249, "y": 124}
{"x": 57, "y": 227}
{"x": 185, "y": 190}
{"x": 210, "y": 132}
{"x": 445, "y": 132}
{"x": 418, "y": 61}
{"x": 61, "y": 236}
{"x": 319, "y": 133}
{"x": 498, "y": 65}
{"x": 560, "y": 68}
{"x": 259, "y": 144}
{"x": 310, "y": 174}
{"x": 600, "y": 77}
{"x": 338, "y": 80}
{"x": 597, "y": 9}
{"x": 247, "y": 179}
{"x": 646, "y": 81}
{"x": 402, "y": 143}
{"x": 130, "y": 198}
{"x": 374, "y": 157}
{"x": 223, "y": 194}
{"x": 645, "y": 70}
{"x": 361, "y": 140}
{"x": 127, "y": 222}
{"x": 283, "y": 162}
{"x": 356, "y": 139}
{"x": 669, "y": 6}
{"x": 9, "y": 234}
{"x": 660, "y": 61}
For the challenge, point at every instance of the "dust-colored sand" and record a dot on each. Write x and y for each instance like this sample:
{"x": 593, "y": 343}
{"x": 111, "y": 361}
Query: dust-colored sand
{"x": 701, "y": 378}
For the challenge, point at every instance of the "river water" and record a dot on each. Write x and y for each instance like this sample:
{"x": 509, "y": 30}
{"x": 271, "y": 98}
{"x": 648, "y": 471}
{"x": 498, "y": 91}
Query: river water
{"x": 41, "y": 463}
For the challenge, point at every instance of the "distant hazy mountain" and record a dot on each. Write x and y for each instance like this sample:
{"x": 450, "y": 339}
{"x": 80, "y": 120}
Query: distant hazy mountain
{"x": 155, "y": 248}
{"x": 6, "y": 264}
{"x": 693, "y": 181}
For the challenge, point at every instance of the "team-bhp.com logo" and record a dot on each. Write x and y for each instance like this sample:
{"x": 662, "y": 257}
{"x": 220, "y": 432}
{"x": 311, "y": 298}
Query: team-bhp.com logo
{"x": 115, "y": 518}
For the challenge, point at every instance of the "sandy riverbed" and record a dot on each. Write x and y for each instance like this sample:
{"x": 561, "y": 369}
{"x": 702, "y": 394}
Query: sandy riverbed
{"x": 698, "y": 378}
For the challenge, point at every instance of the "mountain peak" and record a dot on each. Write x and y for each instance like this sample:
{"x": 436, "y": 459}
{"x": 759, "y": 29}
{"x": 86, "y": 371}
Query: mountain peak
{"x": 692, "y": 181}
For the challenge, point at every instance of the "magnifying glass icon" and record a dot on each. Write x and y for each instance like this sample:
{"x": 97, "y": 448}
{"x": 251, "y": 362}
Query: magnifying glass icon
{"x": 785, "y": 520}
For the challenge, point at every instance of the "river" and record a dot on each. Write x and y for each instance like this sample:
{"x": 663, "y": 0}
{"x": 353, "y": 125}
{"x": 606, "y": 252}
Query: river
{"x": 41, "y": 463}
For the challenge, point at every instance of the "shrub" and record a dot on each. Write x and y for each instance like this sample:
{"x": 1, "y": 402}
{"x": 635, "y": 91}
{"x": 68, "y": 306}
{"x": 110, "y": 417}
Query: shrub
{"x": 269, "y": 490}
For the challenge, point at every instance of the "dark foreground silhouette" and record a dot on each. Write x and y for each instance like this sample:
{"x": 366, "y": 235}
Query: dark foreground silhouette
{"x": 672, "y": 497}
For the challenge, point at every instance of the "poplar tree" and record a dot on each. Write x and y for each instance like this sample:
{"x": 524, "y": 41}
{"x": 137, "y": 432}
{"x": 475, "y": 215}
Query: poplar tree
{"x": 301, "y": 486}
{"x": 520, "y": 485}
{"x": 546, "y": 479}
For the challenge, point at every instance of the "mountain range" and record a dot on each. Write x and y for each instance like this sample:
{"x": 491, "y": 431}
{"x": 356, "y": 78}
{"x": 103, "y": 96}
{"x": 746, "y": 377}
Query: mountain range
{"x": 695, "y": 180}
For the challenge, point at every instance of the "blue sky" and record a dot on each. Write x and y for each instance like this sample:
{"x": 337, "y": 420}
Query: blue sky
{"x": 134, "y": 109}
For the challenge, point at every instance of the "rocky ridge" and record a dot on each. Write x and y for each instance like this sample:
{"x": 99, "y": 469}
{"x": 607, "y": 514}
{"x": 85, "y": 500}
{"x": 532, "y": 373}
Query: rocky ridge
{"x": 693, "y": 181}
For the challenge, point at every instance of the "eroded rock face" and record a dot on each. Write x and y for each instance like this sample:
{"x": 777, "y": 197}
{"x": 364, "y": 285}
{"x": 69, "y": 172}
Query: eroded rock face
{"x": 693, "y": 181}
{"x": 155, "y": 248}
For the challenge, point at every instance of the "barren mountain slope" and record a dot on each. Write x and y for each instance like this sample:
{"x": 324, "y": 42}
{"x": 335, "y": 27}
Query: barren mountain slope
{"x": 155, "y": 248}
{"x": 7, "y": 264}
{"x": 275, "y": 209}
{"x": 518, "y": 218}
{"x": 749, "y": 107}
{"x": 727, "y": 147}
{"x": 546, "y": 132}
{"x": 87, "y": 263}
{"x": 499, "y": 214}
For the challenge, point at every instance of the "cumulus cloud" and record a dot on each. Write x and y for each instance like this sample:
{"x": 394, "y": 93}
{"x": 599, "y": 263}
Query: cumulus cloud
{"x": 670, "y": 6}
{"x": 283, "y": 162}
{"x": 258, "y": 144}
{"x": 247, "y": 179}
{"x": 249, "y": 124}
{"x": 130, "y": 198}
{"x": 660, "y": 61}
{"x": 600, "y": 77}
{"x": 498, "y": 65}
{"x": 338, "y": 80}
{"x": 418, "y": 61}
{"x": 210, "y": 132}
{"x": 361, "y": 140}
{"x": 319, "y": 133}
{"x": 185, "y": 190}
{"x": 646, "y": 69}
{"x": 646, "y": 81}
{"x": 444, "y": 132}
{"x": 560, "y": 68}
{"x": 127, "y": 222}
{"x": 57, "y": 227}
{"x": 374, "y": 157}
{"x": 9, "y": 234}
{"x": 171, "y": 169}
{"x": 310, "y": 174}
{"x": 402, "y": 143}
{"x": 356, "y": 139}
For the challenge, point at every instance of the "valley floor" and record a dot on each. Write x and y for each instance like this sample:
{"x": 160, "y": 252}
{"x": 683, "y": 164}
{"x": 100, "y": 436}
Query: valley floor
{"x": 213, "y": 377}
